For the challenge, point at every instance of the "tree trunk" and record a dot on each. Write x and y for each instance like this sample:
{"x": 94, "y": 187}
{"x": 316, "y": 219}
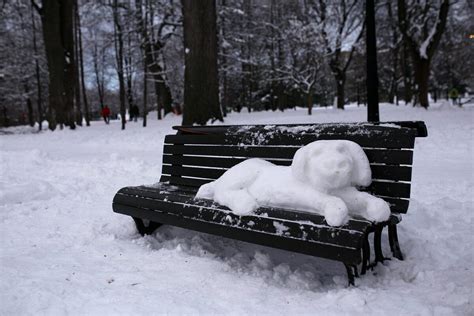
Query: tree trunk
{"x": 309, "y": 99}
{"x": 81, "y": 66}
{"x": 67, "y": 35}
{"x": 145, "y": 92}
{"x": 201, "y": 85}
{"x": 422, "y": 73}
{"x": 225, "y": 96}
{"x": 129, "y": 74}
{"x": 98, "y": 76}
{"x": 118, "y": 41}
{"x": 77, "y": 85}
{"x": 59, "y": 44}
{"x": 37, "y": 73}
{"x": 340, "y": 82}
{"x": 29, "y": 106}
{"x": 407, "y": 85}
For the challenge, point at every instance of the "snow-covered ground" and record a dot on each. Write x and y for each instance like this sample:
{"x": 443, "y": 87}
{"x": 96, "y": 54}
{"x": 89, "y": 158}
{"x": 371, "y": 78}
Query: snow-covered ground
{"x": 63, "y": 250}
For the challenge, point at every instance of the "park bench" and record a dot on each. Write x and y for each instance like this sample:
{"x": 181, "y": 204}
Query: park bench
{"x": 200, "y": 154}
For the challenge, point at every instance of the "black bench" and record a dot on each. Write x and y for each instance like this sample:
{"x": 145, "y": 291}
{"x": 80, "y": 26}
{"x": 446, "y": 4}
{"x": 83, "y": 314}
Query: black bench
{"x": 197, "y": 155}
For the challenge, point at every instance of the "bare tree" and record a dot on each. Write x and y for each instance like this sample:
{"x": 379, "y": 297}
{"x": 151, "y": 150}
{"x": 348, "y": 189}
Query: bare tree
{"x": 118, "y": 42}
{"x": 422, "y": 25}
{"x": 341, "y": 28}
{"x": 153, "y": 39}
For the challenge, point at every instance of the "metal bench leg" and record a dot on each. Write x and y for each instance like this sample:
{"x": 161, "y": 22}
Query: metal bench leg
{"x": 393, "y": 239}
{"x": 365, "y": 255}
{"x": 379, "y": 257}
{"x": 350, "y": 274}
{"x": 145, "y": 229}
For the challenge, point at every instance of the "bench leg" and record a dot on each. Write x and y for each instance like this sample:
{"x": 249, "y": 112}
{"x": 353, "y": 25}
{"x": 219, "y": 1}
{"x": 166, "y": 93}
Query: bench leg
{"x": 393, "y": 239}
{"x": 145, "y": 229}
{"x": 365, "y": 255}
{"x": 379, "y": 257}
{"x": 350, "y": 273}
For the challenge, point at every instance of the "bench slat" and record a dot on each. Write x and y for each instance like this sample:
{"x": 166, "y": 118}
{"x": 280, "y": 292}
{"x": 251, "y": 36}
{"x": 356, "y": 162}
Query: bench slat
{"x": 386, "y": 156}
{"x": 399, "y": 173}
{"x": 418, "y": 127}
{"x": 374, "y": 141}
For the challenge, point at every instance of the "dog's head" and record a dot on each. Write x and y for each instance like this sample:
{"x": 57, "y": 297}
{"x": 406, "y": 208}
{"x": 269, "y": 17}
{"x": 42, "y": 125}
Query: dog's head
{"x": 332, "y": 164}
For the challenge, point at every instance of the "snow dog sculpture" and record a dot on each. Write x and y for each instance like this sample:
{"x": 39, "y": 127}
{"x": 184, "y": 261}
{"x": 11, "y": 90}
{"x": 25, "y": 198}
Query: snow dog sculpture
{"x": 321, "y": 179}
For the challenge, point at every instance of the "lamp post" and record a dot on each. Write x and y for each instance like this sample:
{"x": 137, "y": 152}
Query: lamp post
{"x": 372, "y": 76}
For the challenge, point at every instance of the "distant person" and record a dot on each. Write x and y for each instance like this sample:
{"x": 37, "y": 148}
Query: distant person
{"x": 134, "y": 113}
{"x": 106, "y": 114}
{"x": 177, "y": 109}
{"x": 454, "y": 95}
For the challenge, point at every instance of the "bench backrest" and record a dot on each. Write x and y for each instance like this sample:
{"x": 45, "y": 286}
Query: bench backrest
{"x": 197, "y": 155}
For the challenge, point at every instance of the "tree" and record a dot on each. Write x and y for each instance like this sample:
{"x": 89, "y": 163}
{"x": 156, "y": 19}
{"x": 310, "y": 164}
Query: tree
{"x": 422, "y": 25}
{"x": 37, "y": 72}
{"x": 58, "y": 36}
{"x": 118, "y": 42}
{"x": 153, "y": 39}
{"x": 341, "y": 28}
{"x": 80, "y": 58}
{"x": 201, "y": 85}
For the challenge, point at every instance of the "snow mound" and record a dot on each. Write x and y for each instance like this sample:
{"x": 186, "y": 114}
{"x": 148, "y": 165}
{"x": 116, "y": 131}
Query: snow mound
{"x": 321, "y": 179}
{"x": 24, "y": 192}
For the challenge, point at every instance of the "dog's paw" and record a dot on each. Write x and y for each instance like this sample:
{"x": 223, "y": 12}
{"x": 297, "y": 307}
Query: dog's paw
{"x": 335, "y": 211}
{"x": 378, "y": 210}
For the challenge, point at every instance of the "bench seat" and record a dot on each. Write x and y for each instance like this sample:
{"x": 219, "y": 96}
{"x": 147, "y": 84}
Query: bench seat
{"x": 292, "y": 230}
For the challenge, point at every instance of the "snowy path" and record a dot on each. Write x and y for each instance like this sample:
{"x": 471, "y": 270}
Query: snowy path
{"x": 64, "y": 251}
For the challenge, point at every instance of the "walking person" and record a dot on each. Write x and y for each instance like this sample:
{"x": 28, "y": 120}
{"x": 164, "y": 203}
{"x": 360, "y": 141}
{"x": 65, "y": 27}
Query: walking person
{"x": 134, "y": 113}
{"x": 454, "y": 95}
{"x": 106, "y": 114}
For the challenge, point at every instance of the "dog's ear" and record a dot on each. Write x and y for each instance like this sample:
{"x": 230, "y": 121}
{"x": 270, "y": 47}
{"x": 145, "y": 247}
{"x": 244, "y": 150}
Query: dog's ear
{"x": 361, "y": 173}
{"x": 298, "y": 166}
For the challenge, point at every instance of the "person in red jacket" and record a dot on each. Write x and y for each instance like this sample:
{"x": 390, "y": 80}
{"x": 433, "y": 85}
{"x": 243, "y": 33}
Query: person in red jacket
{"x": 106, "y": 114}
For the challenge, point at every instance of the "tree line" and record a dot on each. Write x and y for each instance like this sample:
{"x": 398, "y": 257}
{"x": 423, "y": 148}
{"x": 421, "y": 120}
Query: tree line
{"x": 62, "y": 60}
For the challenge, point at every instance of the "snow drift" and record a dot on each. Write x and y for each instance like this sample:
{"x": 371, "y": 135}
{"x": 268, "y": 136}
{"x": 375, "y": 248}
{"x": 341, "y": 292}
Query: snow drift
{"x": 322, "y": 179}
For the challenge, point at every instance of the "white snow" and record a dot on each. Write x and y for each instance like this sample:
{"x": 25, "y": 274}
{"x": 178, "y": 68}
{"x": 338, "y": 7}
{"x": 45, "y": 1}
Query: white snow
{"x": 63, "y": 250}
{"x": 321, "y": 179}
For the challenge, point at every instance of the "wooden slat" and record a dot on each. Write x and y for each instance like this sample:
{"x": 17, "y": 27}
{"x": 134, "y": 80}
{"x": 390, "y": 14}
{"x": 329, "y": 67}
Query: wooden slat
{"x": 387, "y": 156}
{"x": 397, "y": 205}
{"x": 415, "y": 128}
{"x": 375, "y": 141}
{"x": 191, "y": 182}
{"x": 387, "y": 172}
{"x": 390, "y": 189}
{"x": 233, "y": 150}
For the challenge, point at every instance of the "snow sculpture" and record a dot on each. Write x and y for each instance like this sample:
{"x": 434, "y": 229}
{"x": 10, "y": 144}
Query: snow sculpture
{"x": 321, "y": 179}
